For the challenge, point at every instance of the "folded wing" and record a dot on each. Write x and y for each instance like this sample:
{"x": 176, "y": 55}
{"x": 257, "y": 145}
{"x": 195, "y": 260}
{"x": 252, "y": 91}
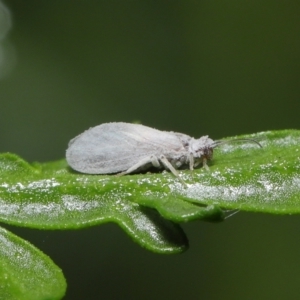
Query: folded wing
{"x": 115, "y": 147}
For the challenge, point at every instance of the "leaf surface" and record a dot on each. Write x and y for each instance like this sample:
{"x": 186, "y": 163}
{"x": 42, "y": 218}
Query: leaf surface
{"x": 26, "y": 273}
{"x": 147, "y": 206}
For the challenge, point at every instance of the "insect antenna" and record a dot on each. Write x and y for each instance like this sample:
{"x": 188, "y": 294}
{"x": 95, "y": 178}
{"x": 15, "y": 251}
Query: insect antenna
{"x": 231, "y": 213}
{"x": 219, "y": 143}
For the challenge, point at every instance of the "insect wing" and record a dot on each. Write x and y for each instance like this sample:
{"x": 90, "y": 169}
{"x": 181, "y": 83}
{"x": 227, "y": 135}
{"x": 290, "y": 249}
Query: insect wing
{"x": 115, "y": 147}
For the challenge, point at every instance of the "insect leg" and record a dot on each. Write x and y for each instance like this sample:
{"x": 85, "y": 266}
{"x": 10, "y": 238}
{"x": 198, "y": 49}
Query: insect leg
{"x": 154, "y": 160}
{"x": 191, "y": 159}
{"x": 168, "y": 165}
{"x": 205, "y": 166}
{"x": 150, "y": 159}
{"x": 192, "y": 164}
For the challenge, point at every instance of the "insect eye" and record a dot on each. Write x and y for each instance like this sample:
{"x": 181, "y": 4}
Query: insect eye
{"x": 208, "y": 152}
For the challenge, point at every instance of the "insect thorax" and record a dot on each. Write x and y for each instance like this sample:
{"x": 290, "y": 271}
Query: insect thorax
{"x": 179, "y": 160}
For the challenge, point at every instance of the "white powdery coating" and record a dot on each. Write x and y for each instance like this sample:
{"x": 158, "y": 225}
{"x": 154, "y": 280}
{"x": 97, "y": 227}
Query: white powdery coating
{"x": 269, "y": 190}
{"x": 227, "y": 148}
{"x": 281, "y": 142}
{"x": 287, "y": 141}
{"x": 23, "y": 259}
{"x": 42, "y": 185}
{"x": 47, "y": 187}
{"x": 74, "y": 203}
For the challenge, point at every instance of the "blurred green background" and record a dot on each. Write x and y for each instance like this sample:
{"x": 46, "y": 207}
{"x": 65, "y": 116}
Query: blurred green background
{"x": 221, "y": 68}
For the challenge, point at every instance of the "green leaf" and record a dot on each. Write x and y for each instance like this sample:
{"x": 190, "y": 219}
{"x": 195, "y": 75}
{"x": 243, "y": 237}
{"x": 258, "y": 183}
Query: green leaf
{"x": 51, "y": 196}
{"x": 26, "y": 273}
{"x": 248, "y": 178}
{"x": 148, "y": 206}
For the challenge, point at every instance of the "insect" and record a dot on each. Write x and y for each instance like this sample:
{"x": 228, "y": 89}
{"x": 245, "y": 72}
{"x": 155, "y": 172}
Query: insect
{"x": 127, "y": 148}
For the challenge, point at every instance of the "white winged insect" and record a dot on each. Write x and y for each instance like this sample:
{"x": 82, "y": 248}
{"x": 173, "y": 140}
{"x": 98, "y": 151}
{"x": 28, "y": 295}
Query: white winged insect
{"x": 129, "y": 148}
